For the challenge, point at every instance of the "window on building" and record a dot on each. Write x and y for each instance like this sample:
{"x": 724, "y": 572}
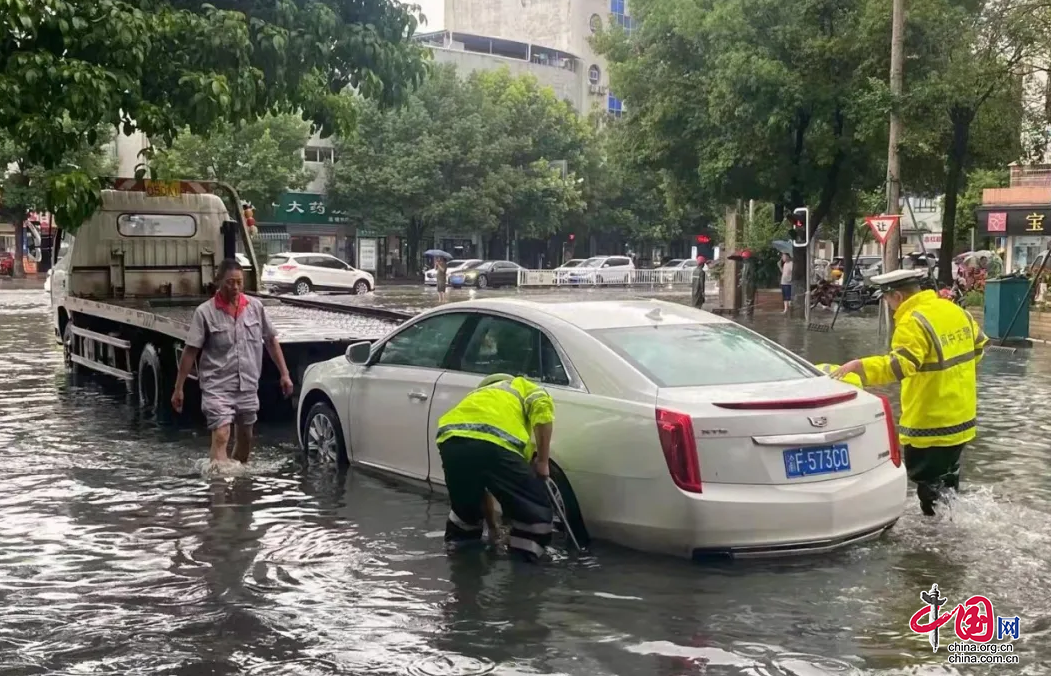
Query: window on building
{"x": 925, "y": 205}
{"x": 617, "y": 6}
{"x": 614, "y": 106}
{"x": 594, "y": 74}
{"x": 595, "y": 23}
{"x": 318, "y": 154}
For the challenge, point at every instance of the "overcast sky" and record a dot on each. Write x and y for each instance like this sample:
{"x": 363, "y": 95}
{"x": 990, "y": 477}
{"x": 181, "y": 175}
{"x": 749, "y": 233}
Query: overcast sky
{"x": 434, "y": 10}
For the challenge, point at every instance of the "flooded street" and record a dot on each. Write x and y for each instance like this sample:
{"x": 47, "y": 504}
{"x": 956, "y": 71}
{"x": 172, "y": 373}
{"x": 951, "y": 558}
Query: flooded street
{"x": 118, "y": 556}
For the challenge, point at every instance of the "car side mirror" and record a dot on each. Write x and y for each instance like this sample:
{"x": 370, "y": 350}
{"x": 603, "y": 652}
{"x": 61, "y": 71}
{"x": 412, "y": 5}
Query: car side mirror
{"x": 359, "y": 353}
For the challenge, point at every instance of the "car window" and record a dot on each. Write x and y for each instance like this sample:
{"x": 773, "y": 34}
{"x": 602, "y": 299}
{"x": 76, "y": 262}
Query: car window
{"x": 592, "y": 262}
{"x": 501, "y": 345}
{"x": 333, "y": 263}
{"x": 277, "y": 260}
{"x": 686, "y": 355}
{"x": 424, "y": 344}
{"x": 618, "y": 262}
{"x": 690, "y": 263}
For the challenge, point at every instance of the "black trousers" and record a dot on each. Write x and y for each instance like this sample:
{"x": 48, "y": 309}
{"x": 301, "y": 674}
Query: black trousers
{"x": 933, "y": 470}
{"x": 472, "y": 467}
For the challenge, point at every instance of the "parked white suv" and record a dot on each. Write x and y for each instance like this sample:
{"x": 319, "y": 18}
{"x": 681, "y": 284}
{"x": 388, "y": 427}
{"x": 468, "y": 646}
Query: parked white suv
{"x": 430, "y": 278}
{"x": 302, "y": 273}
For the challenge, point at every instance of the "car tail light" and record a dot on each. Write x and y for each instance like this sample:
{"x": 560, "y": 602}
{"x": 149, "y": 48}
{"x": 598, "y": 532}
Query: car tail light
{"x": 680, "y": 449}
{"x": 287, "y": 267}
{"x": 892, "y": 432}
{"x": 813, "y": 402}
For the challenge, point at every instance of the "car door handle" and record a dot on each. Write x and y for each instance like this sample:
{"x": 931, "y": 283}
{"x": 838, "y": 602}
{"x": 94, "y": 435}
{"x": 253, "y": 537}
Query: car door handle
{"x": 418, "y": 396}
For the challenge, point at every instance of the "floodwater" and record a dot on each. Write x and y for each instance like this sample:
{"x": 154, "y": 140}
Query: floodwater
{"x": 118, "y": 556}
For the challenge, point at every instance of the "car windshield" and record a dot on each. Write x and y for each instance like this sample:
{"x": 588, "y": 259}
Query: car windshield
{"x": 480, "y": 265}
{"x": 673, "y": 263}
{"x": 689, "y": 355}
{"x": 455, "y": 263}
{"x": 277, "y": 260}
{"x": 593, "y": 262}
{"x": 572, "y": 264}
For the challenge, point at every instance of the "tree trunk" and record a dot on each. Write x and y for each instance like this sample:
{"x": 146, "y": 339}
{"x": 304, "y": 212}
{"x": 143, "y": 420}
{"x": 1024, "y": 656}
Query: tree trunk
{"x": 414, "y": 233}
{"x": 849, "y": 228}
{"x": 961, "y": 132}
{"x": 18, "y": 270}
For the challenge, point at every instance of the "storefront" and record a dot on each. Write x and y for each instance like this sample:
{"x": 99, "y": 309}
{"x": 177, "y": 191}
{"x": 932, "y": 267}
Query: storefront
{"x": 303, "y": 222}
{"x": 1022, "y": 231}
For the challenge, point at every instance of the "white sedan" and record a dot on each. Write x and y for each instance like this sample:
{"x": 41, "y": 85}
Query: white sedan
{"x": 676, "y": 430}
{"x": 430, "y": 278}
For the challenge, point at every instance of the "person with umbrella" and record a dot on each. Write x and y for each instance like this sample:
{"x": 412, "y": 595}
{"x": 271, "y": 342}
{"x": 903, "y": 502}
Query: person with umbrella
{"x": 439, "y": 270}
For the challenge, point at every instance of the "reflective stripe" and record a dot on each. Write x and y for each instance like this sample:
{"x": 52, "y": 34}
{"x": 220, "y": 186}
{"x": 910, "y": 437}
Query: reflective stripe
{"x": 952, "y": 361}
{"x": 908, "y": 355}
{"x": 487, "y": 429}
{"x": 895, "y": 366}
{"x": 525, "y": 545}
{"x": 932, "y": 334}
{"x": 937, "y": 431}
{"x": 534, "y": 528}
{"x": 461, "y": 524}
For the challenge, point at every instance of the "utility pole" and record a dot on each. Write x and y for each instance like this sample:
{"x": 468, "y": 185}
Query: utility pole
{"x": 892, "y": 249}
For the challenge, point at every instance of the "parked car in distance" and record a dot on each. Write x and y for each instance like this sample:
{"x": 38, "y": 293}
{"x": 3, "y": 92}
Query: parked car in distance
{"x": 602, "y": 270}
{"x": 430, "y": 278}
{"x": 302, "y": 273}
{"x": 676, "y": 430}
{"x": 486, "y": 274}
{"x": 678, "y": 269}
{"x": 7, "y": 263}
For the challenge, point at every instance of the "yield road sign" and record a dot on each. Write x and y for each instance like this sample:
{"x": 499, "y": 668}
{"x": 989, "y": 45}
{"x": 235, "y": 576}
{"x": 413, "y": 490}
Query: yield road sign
{"x": 882, "y": 226}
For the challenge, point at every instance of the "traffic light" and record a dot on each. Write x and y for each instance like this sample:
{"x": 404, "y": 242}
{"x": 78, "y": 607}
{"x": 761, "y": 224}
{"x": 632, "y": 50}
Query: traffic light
{"x": 705, "y": 246}
{"x": 798, "y": 226}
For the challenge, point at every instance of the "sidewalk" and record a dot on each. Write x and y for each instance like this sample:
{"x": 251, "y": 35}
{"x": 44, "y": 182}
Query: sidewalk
{"x": 30, "y": 283}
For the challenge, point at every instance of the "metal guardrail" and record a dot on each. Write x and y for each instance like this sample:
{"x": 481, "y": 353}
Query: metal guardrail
{"x": 606, "y": 277}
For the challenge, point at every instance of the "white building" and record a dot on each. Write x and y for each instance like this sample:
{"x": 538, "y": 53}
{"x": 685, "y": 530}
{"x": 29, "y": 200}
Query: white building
{"x": 563, "y": 25}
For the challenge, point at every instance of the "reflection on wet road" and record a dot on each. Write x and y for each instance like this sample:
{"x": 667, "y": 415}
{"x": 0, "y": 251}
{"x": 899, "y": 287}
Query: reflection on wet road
{"x": 117, "y": 556}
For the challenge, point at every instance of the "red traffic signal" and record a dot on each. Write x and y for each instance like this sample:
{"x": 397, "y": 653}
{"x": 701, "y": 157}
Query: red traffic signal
{"x": 703, "y": 239}
{"x": 572, "y": 237}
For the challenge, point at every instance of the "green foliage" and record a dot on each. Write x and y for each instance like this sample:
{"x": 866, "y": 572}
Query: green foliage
{"x": 261, "y": 159}
{"x": 974, "y": 299}
{"x": 971, "y": 198}
{"x": 463, "y": 154}
{"x": 163, "y": 66}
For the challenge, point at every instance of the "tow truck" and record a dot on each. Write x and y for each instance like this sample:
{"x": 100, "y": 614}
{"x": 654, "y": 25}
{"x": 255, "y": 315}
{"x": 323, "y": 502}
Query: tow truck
{"x": 125, "y": 285}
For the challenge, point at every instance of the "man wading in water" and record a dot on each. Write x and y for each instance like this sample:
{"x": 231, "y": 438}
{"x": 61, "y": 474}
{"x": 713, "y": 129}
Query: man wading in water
{"x": 229, "y": 331}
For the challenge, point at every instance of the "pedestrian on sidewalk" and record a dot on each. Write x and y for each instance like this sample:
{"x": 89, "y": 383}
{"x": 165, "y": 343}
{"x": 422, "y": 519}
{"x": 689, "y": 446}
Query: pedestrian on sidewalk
{"x": 698, "y": 280}
{"x": 486, "y": 444}
{"x": 229, "y": 332}
{"x": 934, "y": 354}
{"x": 440, "y": 277}
{"x": 786, "y": 281}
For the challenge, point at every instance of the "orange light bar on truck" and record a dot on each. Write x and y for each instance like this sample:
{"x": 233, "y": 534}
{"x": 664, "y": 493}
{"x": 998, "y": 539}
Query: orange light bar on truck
{"x": 163, "y": 188}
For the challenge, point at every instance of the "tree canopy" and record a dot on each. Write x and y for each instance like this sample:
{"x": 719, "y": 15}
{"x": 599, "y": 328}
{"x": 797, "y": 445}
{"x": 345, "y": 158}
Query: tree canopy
{"x": 161, "y": 66}
{"x": 261, "y": 159}
{"x": 480, "y": 153}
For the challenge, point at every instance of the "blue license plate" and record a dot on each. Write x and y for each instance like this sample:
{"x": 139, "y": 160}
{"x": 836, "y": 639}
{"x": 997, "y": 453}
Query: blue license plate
{"x": 456, "y": 279}
{"x": 800, "y": 462}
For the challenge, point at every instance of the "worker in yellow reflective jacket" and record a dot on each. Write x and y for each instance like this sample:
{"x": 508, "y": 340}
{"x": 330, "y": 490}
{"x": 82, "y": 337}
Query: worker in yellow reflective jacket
{"x": 486, "y": 444}
{"x": 934, "y": 354}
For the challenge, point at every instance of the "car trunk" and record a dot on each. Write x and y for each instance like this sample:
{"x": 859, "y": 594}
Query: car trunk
{"x": 788, "y": 432}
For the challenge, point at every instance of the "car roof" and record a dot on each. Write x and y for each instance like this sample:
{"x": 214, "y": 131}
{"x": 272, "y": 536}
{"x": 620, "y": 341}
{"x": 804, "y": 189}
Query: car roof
{"x": 597, "y": 314}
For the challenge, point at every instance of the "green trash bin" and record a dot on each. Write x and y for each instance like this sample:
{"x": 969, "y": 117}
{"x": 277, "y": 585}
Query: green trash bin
{"x": 1003, "y": 297}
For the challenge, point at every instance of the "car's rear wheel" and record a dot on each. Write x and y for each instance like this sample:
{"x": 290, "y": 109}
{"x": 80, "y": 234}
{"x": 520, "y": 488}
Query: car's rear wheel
{"x": 303, "y": 287}
{"x": 573, "y": 515}
{"x": 361, "y": 287}
{"x": 323, "y": 436}
{"x": 483, "y": 281}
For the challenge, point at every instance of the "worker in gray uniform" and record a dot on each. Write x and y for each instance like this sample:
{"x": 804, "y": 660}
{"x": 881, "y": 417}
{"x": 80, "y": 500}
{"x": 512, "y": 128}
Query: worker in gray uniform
{"x": 229, "y": 332}
{"x": 697, "y": 281}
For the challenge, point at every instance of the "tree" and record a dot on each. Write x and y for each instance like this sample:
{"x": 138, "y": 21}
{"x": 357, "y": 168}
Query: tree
{"x": 161, "y": 66}
{"x": 755, "y": 99}
{"x": 261, "y": 159}
{"x": 466, "y": 154}
{"x": 23, "y": 185}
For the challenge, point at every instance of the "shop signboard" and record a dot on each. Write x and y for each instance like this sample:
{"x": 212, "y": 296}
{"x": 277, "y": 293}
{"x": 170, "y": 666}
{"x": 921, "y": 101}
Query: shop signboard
{"x": 1014, "y": 221}
{"x": 367, "y": 254}
{"x": 932, "y": 240}
{"x": 303, "y": 208}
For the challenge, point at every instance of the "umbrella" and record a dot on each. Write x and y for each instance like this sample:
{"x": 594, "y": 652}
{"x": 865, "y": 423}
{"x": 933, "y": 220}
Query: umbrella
{"x": 437, "y": 253}
{"x": 783, "y": 246}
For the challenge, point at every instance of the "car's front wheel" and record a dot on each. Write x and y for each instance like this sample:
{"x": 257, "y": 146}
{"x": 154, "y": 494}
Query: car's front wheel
{"x": 483, "y": 281}
{"x": 323, "y": 435}
{"x": 361, "y": 287}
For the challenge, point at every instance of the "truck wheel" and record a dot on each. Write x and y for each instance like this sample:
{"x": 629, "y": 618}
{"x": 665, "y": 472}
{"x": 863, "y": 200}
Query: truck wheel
{"x": 152, "y": 385}
{"x": 67, "y": 347}
{"x": 323, "y": 435}
{"x": 303, "y": 287}
{"x": 361, "y": 287}
{"x": 573, "y": 515}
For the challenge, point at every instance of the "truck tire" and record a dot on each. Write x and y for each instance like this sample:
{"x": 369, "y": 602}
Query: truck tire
{"x": 67, "y": 347}
{"x": 302, "y": 287}
{"x": 323, "y": 436}
{"x": 153, "y": 389}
